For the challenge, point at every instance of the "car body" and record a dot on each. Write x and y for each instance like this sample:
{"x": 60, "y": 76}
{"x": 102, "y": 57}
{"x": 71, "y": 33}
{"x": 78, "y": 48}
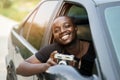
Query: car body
{"x": 98, "y": 21}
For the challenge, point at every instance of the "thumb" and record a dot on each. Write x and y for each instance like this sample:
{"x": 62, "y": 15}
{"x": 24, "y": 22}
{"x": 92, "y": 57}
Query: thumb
{"x": 53, "y": 54}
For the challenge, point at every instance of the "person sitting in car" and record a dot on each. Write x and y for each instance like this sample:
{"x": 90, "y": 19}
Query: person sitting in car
{"x": 65, "y": 42}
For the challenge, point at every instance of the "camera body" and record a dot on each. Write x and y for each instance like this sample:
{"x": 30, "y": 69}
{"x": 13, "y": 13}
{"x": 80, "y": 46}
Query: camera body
{"x": 64, "y": 59}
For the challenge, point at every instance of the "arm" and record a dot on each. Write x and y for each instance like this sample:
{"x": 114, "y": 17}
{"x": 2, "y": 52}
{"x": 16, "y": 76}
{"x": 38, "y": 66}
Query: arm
{"x": 31, "y": 66}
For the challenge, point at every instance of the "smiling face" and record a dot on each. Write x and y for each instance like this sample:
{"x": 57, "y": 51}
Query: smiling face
{"x": 64, "y": 31}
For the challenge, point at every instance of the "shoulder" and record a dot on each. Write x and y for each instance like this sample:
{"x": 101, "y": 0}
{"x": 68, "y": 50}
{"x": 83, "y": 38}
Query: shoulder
{"x": 50, "y": 48}
{"x": 89, "y": 41}
{"x": 44, "y": 52}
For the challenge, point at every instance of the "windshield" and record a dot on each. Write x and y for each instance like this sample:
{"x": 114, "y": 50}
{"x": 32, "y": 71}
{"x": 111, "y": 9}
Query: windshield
{"x": 112, "y": 16}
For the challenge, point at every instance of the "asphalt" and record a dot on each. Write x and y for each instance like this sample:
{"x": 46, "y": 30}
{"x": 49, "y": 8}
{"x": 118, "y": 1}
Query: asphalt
{"x": 6, "y": 25}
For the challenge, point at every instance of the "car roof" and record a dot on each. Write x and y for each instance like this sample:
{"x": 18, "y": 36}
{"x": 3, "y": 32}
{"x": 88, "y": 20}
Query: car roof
{"x": 97, "y": 2}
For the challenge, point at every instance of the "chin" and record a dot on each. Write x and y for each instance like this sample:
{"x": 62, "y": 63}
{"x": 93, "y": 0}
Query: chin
{"x": 66, "y": 42}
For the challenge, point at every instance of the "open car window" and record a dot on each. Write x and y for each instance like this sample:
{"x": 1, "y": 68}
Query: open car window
{"x": 80, "y": 17}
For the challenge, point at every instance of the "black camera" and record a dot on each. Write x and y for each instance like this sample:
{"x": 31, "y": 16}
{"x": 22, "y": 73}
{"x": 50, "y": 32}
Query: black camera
{"x": 63, "y": 59}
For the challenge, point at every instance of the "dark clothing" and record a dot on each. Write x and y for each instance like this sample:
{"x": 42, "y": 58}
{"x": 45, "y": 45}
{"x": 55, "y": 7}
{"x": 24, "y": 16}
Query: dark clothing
{"x": 87, "y": 60}
{"x": 44, "y": 53}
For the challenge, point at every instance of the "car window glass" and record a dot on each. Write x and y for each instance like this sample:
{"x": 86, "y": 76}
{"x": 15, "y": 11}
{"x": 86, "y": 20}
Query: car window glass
{"x": 112, "y": 16}
{"x": 26, "y": 27}
{"x": 37, "y": 28}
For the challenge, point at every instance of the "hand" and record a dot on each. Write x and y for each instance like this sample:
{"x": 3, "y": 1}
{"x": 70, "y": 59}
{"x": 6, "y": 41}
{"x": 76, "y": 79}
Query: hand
{"x": 52, "y": 60}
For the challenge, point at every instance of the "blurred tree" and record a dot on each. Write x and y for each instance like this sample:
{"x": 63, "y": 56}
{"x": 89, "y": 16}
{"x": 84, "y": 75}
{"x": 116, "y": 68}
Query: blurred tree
{"x": 5, "y": 3}
{"x": 10, "y": 8}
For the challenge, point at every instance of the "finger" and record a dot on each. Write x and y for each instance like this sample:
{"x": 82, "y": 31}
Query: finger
{"x": 52, "y": 54}
{"x": 51, "y": 62}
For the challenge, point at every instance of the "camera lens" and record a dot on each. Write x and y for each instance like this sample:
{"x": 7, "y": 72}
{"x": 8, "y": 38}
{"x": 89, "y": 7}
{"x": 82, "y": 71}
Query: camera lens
{"x": 62, "y": 63}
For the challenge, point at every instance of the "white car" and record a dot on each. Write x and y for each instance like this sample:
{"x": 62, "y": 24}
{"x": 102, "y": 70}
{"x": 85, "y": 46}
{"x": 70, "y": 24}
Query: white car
{"x": 97, "y": 21}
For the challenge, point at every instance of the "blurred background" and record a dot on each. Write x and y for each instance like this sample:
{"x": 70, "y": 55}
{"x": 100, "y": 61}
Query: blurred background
{"x": 11, "y": 12}
{"x": 10, "y": 8}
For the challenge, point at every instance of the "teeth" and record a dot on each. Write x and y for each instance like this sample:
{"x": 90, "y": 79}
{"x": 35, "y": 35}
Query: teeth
{"x": 65, "y": 37}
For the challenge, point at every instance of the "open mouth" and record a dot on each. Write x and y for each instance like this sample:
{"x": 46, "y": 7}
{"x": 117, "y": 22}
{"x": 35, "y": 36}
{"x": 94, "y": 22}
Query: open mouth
{"x": 65, "y": 37}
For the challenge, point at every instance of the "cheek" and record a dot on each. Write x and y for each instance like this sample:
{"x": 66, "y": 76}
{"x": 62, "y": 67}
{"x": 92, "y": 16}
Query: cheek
{"x": 55, "y": 36}
{"x": 74, "y": 33}
{"x": 72, "y": 29}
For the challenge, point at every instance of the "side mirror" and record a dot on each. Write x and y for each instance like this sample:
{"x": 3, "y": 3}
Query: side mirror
{"x": 62, "y": 72}
{"x": 16, "y": 28}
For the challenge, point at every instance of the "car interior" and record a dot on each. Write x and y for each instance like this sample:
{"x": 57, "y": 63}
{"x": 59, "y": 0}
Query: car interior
{"x": 83, "y": 27}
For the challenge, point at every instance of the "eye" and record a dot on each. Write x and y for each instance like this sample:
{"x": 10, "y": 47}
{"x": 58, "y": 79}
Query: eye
{"x": 56, "y": 30}
{"x": 67, "y": 25}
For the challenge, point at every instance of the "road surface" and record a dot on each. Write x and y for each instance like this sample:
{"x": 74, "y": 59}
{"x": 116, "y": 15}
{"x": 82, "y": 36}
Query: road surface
{"x": 5, "y": 27}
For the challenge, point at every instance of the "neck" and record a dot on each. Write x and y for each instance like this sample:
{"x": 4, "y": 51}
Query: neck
{"x": 73, "y": 47}
{"x": 72, "y": 44}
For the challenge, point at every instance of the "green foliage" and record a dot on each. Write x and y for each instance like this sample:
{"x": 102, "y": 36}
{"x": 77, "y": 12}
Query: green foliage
{"x": 5, "y": 3}
{"x": 17, "y": 9}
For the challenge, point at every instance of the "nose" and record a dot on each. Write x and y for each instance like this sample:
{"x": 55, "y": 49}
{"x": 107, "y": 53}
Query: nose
{"x": 62, "y": 29}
